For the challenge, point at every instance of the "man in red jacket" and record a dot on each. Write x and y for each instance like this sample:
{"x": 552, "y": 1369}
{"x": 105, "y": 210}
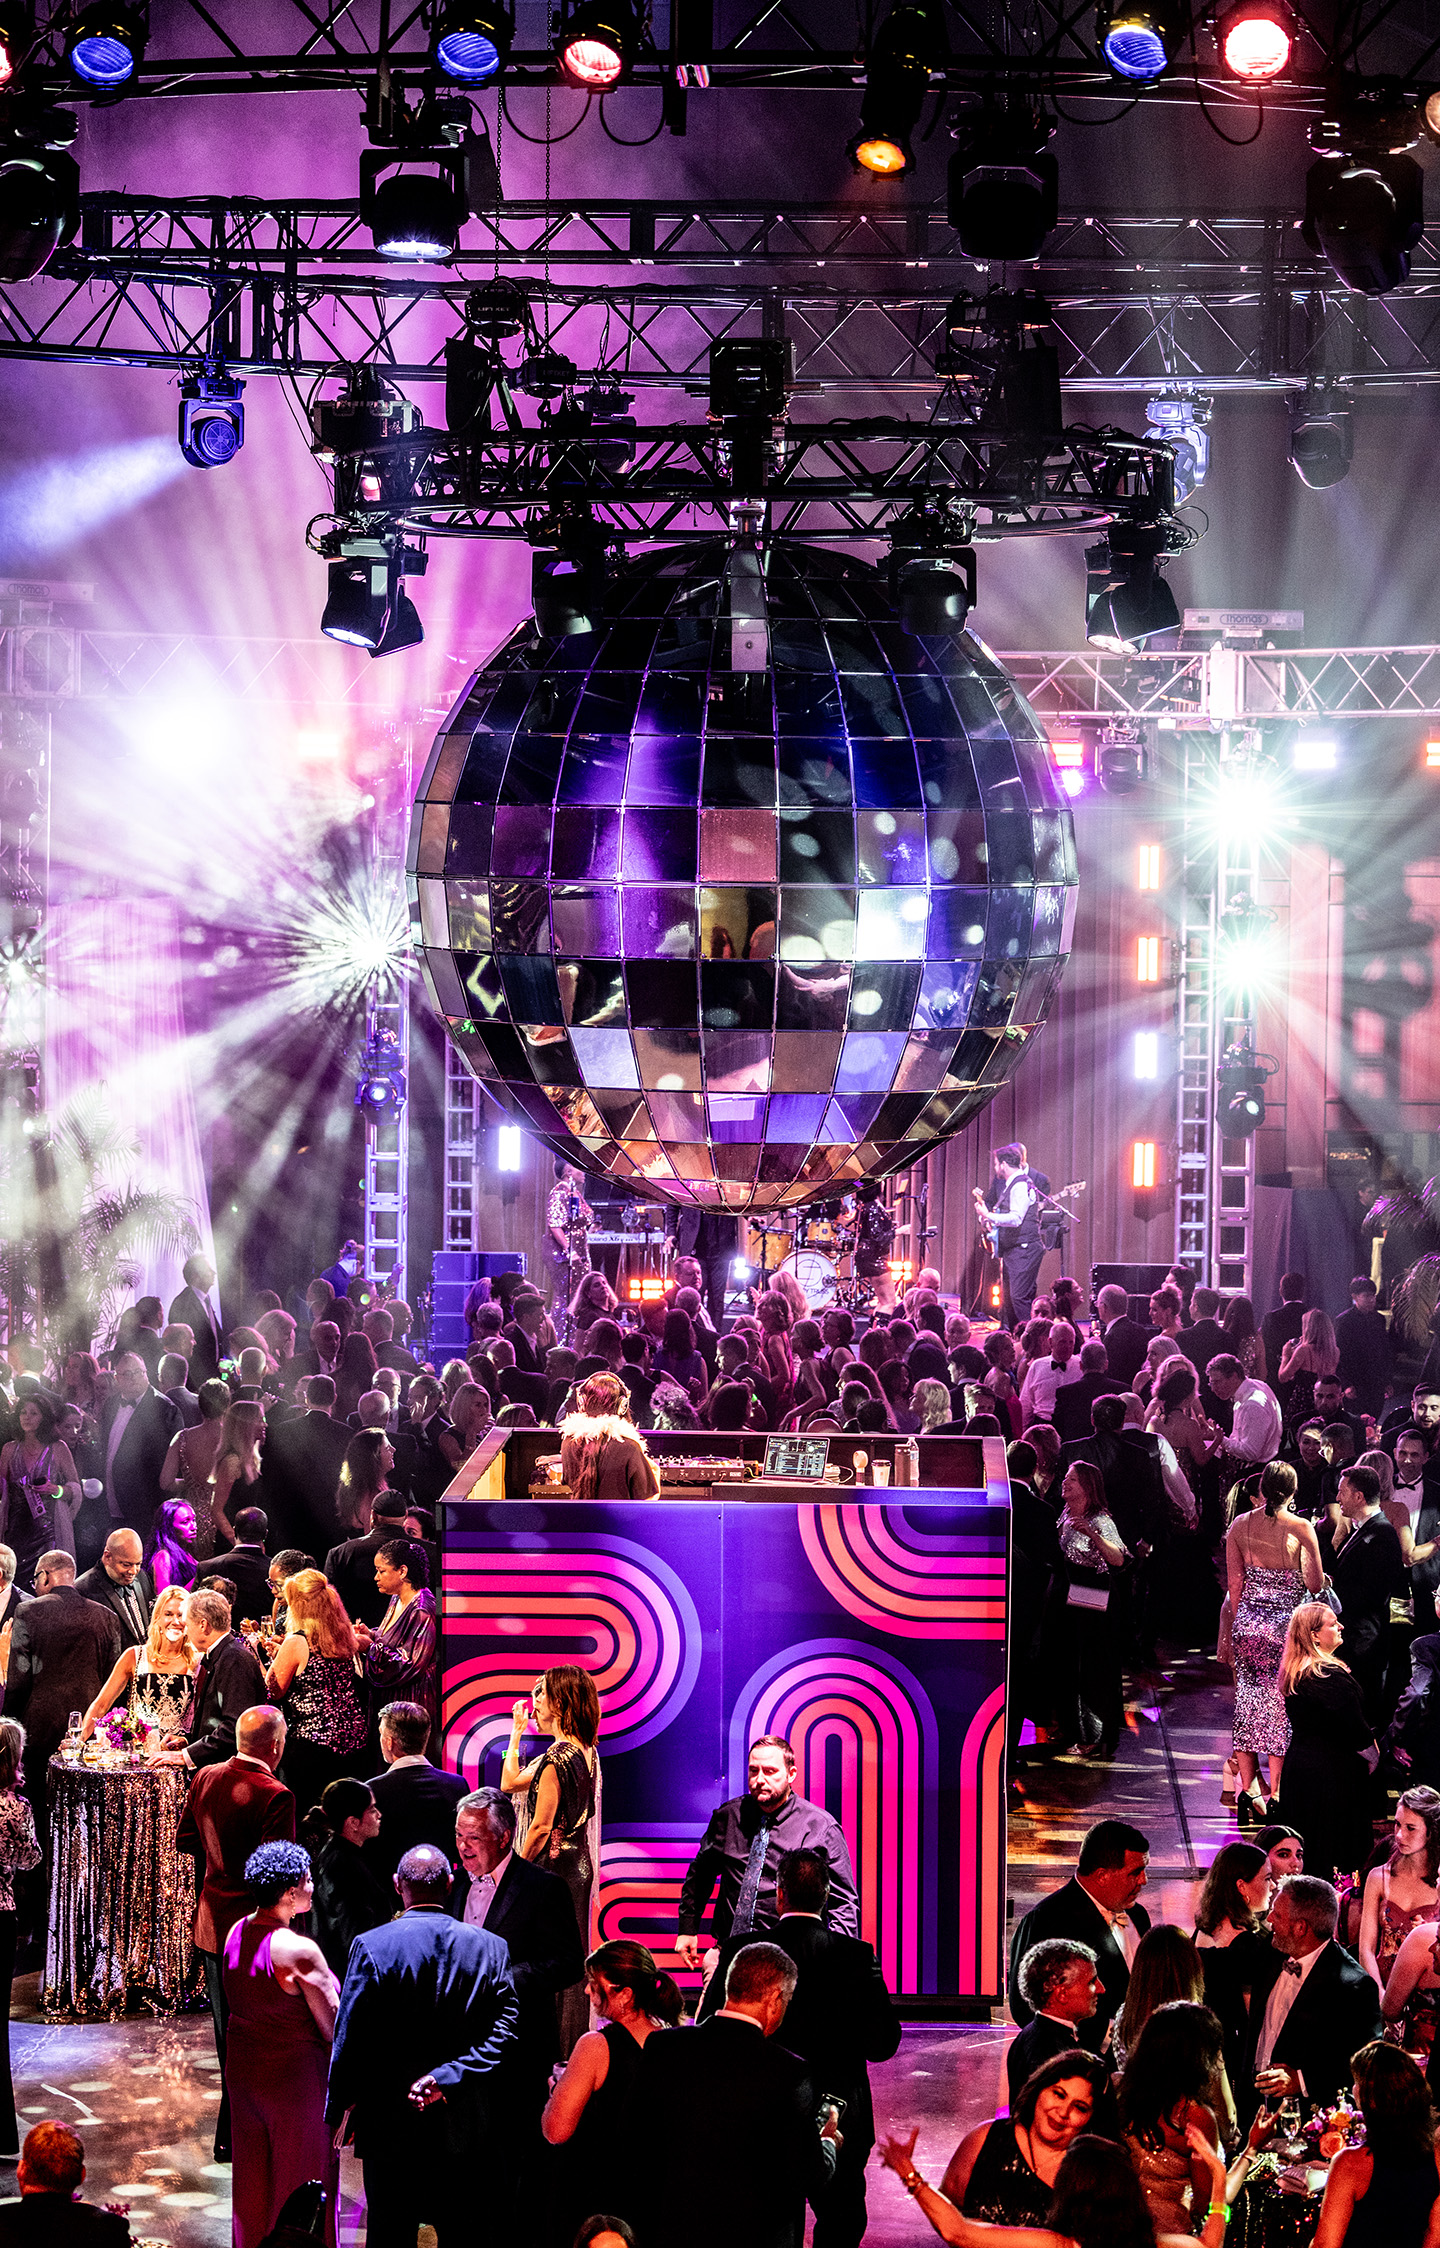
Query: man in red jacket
{"x": 232, "y": 1808}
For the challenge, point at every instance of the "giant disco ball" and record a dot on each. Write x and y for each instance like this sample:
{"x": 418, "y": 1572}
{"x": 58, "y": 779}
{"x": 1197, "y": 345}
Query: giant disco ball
{"x": 732, "y": 937}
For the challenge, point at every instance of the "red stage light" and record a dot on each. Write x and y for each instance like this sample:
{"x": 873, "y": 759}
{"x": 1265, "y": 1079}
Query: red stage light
{"x": 902, "y": 1271}
{"x": 645, "y": 1291}
{"x": 1255, "y": 41}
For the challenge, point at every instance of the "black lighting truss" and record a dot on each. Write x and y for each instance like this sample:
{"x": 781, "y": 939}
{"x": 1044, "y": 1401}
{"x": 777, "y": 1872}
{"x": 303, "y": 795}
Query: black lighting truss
{"x": 1220, "y": 301}
{"x": 841, "y": 481}
{"x": 1048, "y": 46}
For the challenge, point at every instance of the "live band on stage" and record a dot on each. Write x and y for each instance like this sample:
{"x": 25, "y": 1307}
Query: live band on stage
{"x": 837, "y": 1251}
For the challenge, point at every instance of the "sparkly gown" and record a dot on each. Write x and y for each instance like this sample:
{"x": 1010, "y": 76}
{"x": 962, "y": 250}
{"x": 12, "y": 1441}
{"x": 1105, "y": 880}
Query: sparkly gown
{"x": 568, "y": 1853}
{"x": 197, "y": 1489}
{"x": 1268, "y": 1598}
{"x": 327, "y": 1727}
{"x": 1003, "y": 2189}
{"x": 161, "y": 1697}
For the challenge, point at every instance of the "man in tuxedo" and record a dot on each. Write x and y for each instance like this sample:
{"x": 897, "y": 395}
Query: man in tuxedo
{"x": 119, "y": 1583}
{"x": 530, "y": 1909}
{"x": 303, "y": 1459}
{"x": 63, "y": 1647}
{"x": 1125, "y": 1340}
{"x": 1071, "y": 1416}
{"x": 427, "y": 2015}
{"x": 231, "y": 1809}
{"x": 1059, "y": 1984}
{"x": 743, "y": 1845}
{"x": 1367, "y": 1356}
{"x": 192, "y": 1308}
{"x": 726, "y": 2122}
{"x": 1280, "y": 1327}
{"x": 1368, "y": 1572}
{"x": 228, "y": 1682}
{"x": 170, "y": 1382}
{"x": 1205, "y": 1338}
{"x": 12, "y": 1599}
{"x": 1096, "y": 1907}
{"x": 136, "y": 1428}
{"x": 350, "y": 1567}
{"x": 247, "y": 1564}
{"x": 48, "y": 2210}
{"x": 416, "y": 1802}
{"x": 1311, "y": 2006}
{"x": 840, "y": 2018}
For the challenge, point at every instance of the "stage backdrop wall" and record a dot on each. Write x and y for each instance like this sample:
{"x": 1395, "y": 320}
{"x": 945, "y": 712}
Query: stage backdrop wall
{"x": 871, "y": 1636}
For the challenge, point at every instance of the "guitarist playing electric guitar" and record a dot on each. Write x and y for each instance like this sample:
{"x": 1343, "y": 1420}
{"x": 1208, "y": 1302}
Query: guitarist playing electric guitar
{"x": 1009, "y": 1214}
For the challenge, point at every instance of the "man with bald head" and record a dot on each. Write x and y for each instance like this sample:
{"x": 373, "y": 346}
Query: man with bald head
{"x": 231, "y": 1809}
{"x": 136, "y": 1427}
{"x": 119, "y": 1583}
{"x": 427, "y": 2016}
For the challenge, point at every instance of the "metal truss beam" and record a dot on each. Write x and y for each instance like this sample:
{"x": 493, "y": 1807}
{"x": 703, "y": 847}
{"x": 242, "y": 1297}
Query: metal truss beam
{"x": 1221, "y": 302}
{"x": 202, "y": 47}
{"x": 1228, "y": 686}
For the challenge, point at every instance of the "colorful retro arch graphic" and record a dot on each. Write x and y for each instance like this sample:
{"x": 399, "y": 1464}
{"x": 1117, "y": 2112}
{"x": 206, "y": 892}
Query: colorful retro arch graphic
{"x": 902, "y": 1580}
{"x": 982, "y": 1849}
{"x": 840, "y": 1703}
{"x": 592, "y": 1599}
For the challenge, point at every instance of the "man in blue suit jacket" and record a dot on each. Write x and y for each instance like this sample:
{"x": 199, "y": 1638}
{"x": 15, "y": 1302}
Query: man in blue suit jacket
{"x": 427, "y": 2013}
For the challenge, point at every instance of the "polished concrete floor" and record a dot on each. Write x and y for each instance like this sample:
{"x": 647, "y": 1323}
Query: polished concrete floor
{"x": 143, "y": 2093}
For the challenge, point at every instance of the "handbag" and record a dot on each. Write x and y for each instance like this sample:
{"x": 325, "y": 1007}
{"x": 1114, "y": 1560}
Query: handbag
{"x": 1094, "y": 1597}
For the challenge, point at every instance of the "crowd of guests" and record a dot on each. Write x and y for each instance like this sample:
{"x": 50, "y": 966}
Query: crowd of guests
{"x": 409, "y": 1969}
{"x": 1155, "y": 2063}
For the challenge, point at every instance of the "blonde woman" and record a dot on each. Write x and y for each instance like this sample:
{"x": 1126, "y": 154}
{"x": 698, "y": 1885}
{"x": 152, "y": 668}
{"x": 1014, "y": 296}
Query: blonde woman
{"x": 158, "y": 1676}
{"x": 238, "y": 1465}
{"x": 1325, "y": 1779}
{"x": 315, "y": 1679}
{"x": 1314, "y": 1352}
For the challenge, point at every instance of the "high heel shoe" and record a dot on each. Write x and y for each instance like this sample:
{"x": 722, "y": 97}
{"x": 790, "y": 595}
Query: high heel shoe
{"x": 1249, "y": 1810}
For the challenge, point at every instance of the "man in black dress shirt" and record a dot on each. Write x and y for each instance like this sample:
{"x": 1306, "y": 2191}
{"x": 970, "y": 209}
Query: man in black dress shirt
{"x": 228, "y": 1682}
{"x": 1367, "y": 1356}
{"x": 1280, "y": 1327}
{"x": 742, "y": 1848}
{"x": 1098, "y": 1908}
{"x": 727, "y": 2123}
{"x": 840, "y": 2019}
{"x": 119, "y": 1583}
{"x": 1060, "y": 1985}
{"x": 416, "y": 1802}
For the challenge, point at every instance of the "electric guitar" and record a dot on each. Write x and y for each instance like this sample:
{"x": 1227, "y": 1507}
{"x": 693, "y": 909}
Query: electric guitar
{"x": 988, "y": 1220}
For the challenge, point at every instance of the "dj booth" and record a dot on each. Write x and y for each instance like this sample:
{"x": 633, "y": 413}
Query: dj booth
{"x": 866, "y": 1626}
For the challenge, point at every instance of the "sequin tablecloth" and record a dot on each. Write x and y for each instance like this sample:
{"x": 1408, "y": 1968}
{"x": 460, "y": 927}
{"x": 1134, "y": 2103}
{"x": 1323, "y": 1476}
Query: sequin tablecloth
{"x": 122, "y": 1899}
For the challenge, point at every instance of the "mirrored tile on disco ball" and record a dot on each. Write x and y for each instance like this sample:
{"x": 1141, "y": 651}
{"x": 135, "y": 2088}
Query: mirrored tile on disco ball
{"x": 868, "y": 1061}
{"x": 669, "y": 1059}
{"x": 664, "y": 770}
{"x": 532, "y": 770}
{"x": 531, "y": 990}
{"x": 660, "y": 845}
{"x": 926, "y": 1061}
{"x": 520, "y": 916}
{"x": 958, "y": 851}
{"x": 467, "y": 851}
{"x": 947, "y": 988}
{"x": 814, "y": 772}
{"x": 890, "y": 847}
{"x": 585, "y": 921}
{"x": 883, "y": 992}
{"x": 817, "y": 924}
{"x": 817, "y": 844}
{"x": 586, "y": 846}
{"x": 737, "y": 1061}
{"x": 735, "y": 994}
{"x": 664, "y": 994}
{"x": 606, "y": 1058}
{"x": 812, "y": 995}
{"x": 805, "y": 1061}
{"x": 593, "y": 771}
{"x": 677, "y": 1116}
{"x": 738, "y": 924}
{"x": 886, "y": 775}
{"x": 891, "y": 924}
{"x": 659, "y": 923}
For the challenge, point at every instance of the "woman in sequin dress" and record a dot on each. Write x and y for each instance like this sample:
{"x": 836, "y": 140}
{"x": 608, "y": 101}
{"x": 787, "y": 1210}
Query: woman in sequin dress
{"x": 158, "y": 1678}
{"x": 237, "y": 1467}
{"x": 1273, "y": 1562}
{"x": 19, "y": 1853}
{"x": 314, "y": 1678}
{"x": 283, "y": 2001}
{"x": 1003, "y": 2173}
{"x": 189, "y": 1469}
{"x": 562, "y": 1791}
{"x": 1403, "y": 1894}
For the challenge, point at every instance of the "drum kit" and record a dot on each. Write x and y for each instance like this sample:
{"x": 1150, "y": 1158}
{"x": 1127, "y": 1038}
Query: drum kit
{"x": 817, "y": 1247}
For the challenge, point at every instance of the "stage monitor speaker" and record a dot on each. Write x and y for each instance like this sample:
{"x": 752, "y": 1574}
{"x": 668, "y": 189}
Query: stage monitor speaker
{"x": 1138, "y": 1280}
{"x": 453, "y": 1274}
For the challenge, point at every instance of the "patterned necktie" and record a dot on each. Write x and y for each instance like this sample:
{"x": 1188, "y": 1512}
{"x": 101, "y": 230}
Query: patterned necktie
{"x": 744, "y": 1919}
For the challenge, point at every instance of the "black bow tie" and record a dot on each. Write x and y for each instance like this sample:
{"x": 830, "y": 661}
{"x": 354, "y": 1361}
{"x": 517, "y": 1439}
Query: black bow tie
{"x": 1292, "y": 1967}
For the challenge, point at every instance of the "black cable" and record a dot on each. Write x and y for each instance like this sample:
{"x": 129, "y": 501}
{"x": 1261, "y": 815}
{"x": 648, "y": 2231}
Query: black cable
{"x": 1070, "y": 119}
{"x": 543, "y": 140}
{"x": 1228, "y": 138}
{"x": 619, "y": 140}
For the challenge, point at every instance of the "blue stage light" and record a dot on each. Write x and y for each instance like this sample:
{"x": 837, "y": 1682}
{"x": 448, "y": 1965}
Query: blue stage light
{"x": 471, "y": 44}
{"x": 106, "y": 45}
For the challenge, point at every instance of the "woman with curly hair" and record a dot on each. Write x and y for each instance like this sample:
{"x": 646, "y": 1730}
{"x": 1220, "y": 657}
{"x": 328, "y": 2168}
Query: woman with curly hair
{"x": 602, "y": 1453}
{"x": 283, "y": 2000}
{"x": 562, "y": 1792}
